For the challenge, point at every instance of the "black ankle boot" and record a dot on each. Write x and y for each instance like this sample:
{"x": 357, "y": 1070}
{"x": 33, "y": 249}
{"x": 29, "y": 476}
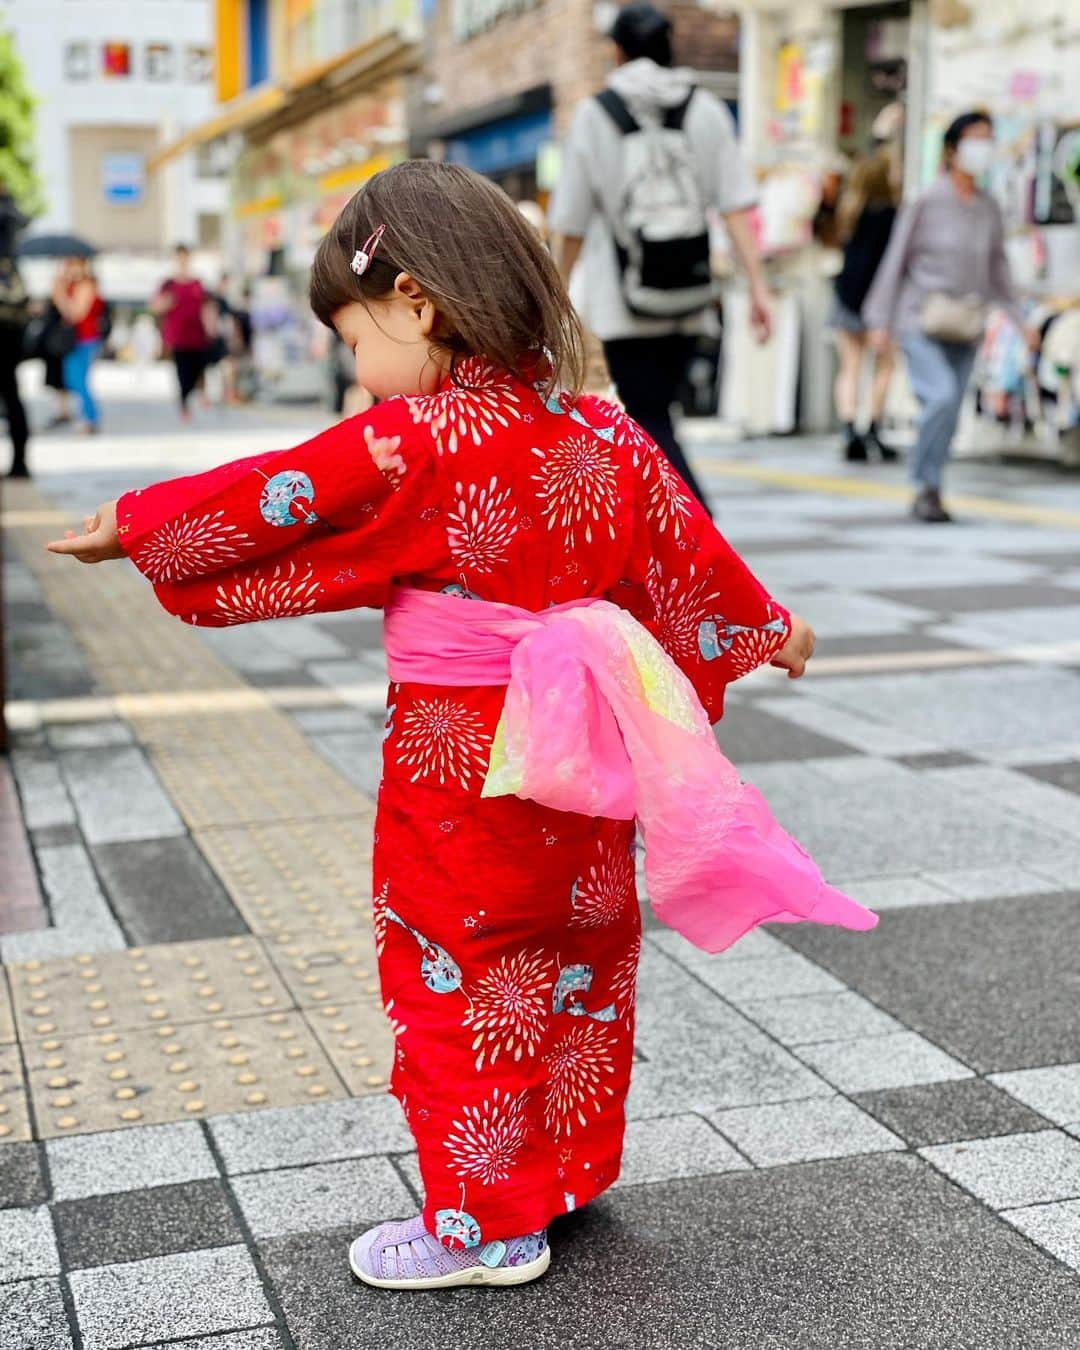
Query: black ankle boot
{"x": 928, "y": 507}
{"x": 874, "y": 442}
{"x": 855, "y": 451}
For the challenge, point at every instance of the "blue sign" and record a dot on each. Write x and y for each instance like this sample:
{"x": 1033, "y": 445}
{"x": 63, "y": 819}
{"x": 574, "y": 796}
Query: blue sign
{"x": 498, "y": 147}
{"x": 123, "y": 178}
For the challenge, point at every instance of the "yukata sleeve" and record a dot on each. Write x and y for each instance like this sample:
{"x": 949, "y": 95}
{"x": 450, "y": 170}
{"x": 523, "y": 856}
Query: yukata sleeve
{"x": 330, "y": 524}
{"x": 688, "y": 586}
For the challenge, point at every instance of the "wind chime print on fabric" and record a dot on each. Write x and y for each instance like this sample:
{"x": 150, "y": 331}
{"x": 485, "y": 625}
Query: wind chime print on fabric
{"x": 507, "y": 933}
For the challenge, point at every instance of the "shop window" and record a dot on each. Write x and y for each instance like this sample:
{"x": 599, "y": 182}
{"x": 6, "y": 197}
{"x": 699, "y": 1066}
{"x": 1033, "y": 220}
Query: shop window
{"x": 208, "y": 229}
{"x": 160, "y": 62}
{"x": 77, "y": 61}
{"x": 116, "y": 60}
{"x": 198, "y": 65}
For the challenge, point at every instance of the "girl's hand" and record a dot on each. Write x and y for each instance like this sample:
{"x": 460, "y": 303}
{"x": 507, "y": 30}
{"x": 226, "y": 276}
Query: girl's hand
{"x": 99, "y": 540}
{"x": 798, "y": 649}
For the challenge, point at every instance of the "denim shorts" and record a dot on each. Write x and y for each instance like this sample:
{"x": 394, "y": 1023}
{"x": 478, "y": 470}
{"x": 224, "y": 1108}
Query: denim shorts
{"x": 844, "y": 319}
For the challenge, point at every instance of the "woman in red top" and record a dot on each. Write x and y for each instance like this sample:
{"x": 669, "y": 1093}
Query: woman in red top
{"x": 180, "y": 304}
{"x": 79, "y": 301}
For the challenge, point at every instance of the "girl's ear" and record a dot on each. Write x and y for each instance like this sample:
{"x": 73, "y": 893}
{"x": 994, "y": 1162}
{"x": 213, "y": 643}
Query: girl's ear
{"x": 424, "y": 311}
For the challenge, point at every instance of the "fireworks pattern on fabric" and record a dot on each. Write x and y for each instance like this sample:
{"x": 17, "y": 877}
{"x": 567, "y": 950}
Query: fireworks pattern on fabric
{"x": 624, "y": 981}
{"x": 442, "y": 739}
{"x": 508, "y": 1008}
{"x": 486, "y": 1140}
{"x": 482, "y": 525}
{"x": 278, "y": 594}
{"x": 477, "y": 406}
{"x": 191, "y": 546}
{"x": 602, "y": 894}
{"x": 578, "y": 1067}
{"x": 579, "y": 485}
{"x": 680, "y": 603}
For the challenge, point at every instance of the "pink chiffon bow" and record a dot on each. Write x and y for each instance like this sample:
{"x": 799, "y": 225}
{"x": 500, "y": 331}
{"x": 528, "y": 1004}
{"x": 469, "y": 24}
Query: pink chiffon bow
{"x": 599, "y": 720}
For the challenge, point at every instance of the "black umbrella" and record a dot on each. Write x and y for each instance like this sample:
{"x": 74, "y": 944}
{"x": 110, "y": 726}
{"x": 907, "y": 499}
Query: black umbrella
{"x": 55, "y": 246}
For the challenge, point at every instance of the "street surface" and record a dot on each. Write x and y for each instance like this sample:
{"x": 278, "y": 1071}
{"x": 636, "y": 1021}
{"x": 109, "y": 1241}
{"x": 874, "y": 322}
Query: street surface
{"x": 836, "y": 1140}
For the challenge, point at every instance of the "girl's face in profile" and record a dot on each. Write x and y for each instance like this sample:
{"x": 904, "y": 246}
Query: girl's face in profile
{"x": 391, "y": 338}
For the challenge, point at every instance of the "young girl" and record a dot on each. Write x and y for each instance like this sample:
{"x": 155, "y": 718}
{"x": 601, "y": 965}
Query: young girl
{"x": 549, "y": 585}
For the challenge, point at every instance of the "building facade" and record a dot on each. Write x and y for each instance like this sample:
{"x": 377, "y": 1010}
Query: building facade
{"x": 114, "y": 81}
{"x": 502, "y": 77}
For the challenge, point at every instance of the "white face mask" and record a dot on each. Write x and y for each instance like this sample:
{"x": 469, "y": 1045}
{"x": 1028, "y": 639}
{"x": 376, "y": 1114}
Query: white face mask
{"x": 974, "y": 155}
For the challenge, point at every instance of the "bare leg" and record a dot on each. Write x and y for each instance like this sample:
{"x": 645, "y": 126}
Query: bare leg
{"x": 884, "y": 365}
{"x": 849, "y": 351}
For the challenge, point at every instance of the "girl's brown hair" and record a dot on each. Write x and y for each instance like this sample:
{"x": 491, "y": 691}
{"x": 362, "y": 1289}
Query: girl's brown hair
{"x": 481, "y": 264}
{"x": 873, "y": 180}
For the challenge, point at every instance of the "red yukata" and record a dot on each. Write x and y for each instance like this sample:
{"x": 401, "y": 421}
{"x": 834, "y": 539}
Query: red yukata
{"x": 508, "y": 934}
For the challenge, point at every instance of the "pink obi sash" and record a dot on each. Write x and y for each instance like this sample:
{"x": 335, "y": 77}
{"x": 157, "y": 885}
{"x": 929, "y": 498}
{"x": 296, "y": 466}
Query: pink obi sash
{"x": 599, "y": 720}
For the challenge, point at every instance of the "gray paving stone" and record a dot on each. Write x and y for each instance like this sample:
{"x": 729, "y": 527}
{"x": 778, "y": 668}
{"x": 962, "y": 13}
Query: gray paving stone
{"x": 1060, "y": 773}
{"x": 837, "y": 613}
{"x": 1055, "y": 1227}
{"x": 900, "y": 1060}
{"x": 742, "y": 981}
{"x": 292, "y": 1136}
{"x": 21, "y": 1181}
{"x": 27, "y": 1244}
{"x": 164, "y": 890}
{"x": 1003, "y": 629}
{"x": 248, "y": 650}
{"x": 356, "y": 755}
{"x": 54, "y": 944}
{"x": 128, "y": 1160}
{"x": 36, "y": 1309}
{"x": 44, "y": 797}
{"x": 1053, "y": 1091}
{"x": 899, "y": 892}
{"x": 967, "y": 709}
{"x": 990, "y": 883}
{"x": 361, "y": 1192}
{"x": 307, "y": 640}
{"x": 939, "y": 759}
{"x": 106, "y": 1230}
{"x": 320, "y": 721}
{"x": 118, "y": 796}
{"x": 868, "y": 1253}
{"x": 89, "y": 735}
{"x": 881, "y": 567}
{"x": 190, "y": 1294}
{"x": 979, "y": 597}
{"x": 1013, "y": 1170}
{"x": 727, "y": 1061}
{"x": 261, "y": 1338}
{"x": 942, "y": 1113}
{"x": 791, "y": 1132}
{"x": 674, "y": 1146}
{"x": 820, "y": 1017}
{"x": 747, "y": 733}
{"x": 988, "y": 982}
{"x": 1018, "y": 792}
{"x": 848, "y": 728}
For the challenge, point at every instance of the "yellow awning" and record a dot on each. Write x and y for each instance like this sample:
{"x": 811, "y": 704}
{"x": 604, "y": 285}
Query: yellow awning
{"x": 239, "y": 113}
{"x": 335, "y": 78}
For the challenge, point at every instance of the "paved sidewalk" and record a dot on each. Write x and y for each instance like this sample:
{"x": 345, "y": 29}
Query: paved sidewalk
{"x": 836, "y": 1140}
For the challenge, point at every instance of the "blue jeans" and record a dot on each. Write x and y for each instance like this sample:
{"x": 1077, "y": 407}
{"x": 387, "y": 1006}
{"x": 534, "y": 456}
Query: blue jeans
{"x": 77, "y": 365}
{"x": 939, "y": 372}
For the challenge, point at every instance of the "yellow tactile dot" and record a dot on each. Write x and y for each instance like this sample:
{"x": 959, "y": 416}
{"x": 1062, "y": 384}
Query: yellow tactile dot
{"x": 118, "y": 1075}
{"x": 229, "y": 1042}
{"x": 102, "y": 1020}
{"x": 246, "y": 1079}
{"x": 158, "y": 1013}
{"x": 223, "y": 1025}
{"x": 124, "y": 1094}
{"x": 136, "y": 953}
{"x": 4, "y": 1130}
{"x": 62, "y": 1101}
{"x": 43, "y": 1028}
{"x": 31, "y": 965}
{"x": 50, "y": 1045}
{"x": 351, "y": 1044}
{"x": 132, "y": 1113}
{"x": 173, "y": 1048}
{"x": 109, "y": 1038}
{"x": 67, "y": 1122}
{"x": 166, "y": 1032}
{"x": 295, "y": 1052}
{"x": 34, "y": 980}
{"x": 214, "y": 1007}
{"x": 181, "y": 1066}
{"x": 152, "y": 998}
{"x": 318, "y": 1090}
{"x": 188, "y": 1085}
{"x": 238, "y": 1059}
{"x": 250, "y": 970}
{"x": 37, "y": 995}
{"x": 85, "y": 960}
{"x": 206, "y": 991}
{"x": 4, "y": 1108}
{"x": 287, "y": 1035}
{"x": 194, "y": 1105}
{"x": 192, "y": 961}
{"x": 55, "y": 1062}
{"x": 147, "y": 983}
{"x": 362, "y": 1062}
{"x": 306, "y": 1071}
{"x": 96, "y": 1004}
{"x": 60, "y": 1082}
{"x": 375, "y": 1080}
{"x": 255, "y": 1098}
{"x": 140, "y": 968}
{"x": 112, "y": 1056}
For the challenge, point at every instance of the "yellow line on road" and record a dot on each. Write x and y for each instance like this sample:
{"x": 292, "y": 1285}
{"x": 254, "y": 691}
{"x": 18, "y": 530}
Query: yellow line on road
{"x": 893, "y": 492}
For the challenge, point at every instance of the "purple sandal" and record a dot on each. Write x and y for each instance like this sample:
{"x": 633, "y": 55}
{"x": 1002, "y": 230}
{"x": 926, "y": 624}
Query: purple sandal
{"x": 407, "y": 1256}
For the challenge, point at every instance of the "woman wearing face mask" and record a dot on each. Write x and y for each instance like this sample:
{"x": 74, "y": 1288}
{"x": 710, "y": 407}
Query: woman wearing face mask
{"x": 944, "y": 266}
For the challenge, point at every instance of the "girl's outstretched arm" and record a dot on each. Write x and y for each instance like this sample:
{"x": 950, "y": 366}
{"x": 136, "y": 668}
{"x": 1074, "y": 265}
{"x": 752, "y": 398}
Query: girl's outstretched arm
{"x": 326, "y": 525}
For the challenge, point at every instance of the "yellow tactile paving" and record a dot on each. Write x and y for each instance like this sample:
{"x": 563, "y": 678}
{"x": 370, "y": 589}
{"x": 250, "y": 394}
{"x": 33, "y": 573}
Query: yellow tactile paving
{"x": 295, "y": 875}
{"x": 14, "y": 1117}
{"x": 145, "y": 987}
{"x": 83, "y": 1084}
{"x": 328, "y": 968}
{"x": 7, "y": 1019}
{"x": 358, "y": 1040}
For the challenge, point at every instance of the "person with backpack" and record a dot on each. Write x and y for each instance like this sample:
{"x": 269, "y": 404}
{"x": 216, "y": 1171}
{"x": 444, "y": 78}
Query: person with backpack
{"x": 646, "y": 164}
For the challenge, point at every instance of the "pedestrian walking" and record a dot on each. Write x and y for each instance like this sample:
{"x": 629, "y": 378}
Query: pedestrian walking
{"x": 557, "y": 648}
{"x": 865, "y": 217}
{"x": 181, "y": 304}
{"x": 14, "y": 316}
{"x": 944, "y": 265}
{"x": 79, "y": 303}
{"x": 645, "y": 166}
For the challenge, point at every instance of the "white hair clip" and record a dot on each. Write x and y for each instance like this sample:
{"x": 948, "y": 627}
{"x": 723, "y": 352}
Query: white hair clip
{"x": 363, "y": 257}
